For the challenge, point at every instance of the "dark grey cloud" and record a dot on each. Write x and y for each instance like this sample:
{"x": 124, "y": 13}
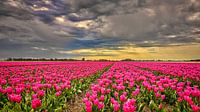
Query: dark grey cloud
{"x": 154, "y": 21}
{"x": 19, "y": 12}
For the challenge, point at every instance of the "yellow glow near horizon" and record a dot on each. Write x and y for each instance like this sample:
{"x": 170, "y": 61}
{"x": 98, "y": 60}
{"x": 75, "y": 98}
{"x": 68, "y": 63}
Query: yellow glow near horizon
{"x": 171, "y": 52}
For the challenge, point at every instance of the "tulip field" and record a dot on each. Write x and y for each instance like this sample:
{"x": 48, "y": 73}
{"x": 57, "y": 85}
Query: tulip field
{"x": 101, "y": 86}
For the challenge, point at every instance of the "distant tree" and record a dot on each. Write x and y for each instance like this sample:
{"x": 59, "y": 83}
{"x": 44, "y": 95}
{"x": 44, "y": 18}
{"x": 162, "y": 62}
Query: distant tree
{"x": 9, "y": 59}
{"x": 195, "y": 60}
{"x": 127, "y": 59}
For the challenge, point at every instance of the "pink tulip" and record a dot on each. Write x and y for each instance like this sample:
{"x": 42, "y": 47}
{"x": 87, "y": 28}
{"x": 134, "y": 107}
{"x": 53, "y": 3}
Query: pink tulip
{"x": 88, "y": 106}
{"x": 18, "y": 90}
{"x": 102, "y": 98}
{"x": 96, "y": 102}
{"x": 15, "y": 98}
{"x": 100, "y": 105}
{"x": 58, "y": 93}
{"x": 116, "y": 94}
{"x": 41, "y": 93}
{"x": 122, "y": 98}
{"x": 112, "y": 100}
{"x": 36, "y": 103}
{"x": 195, "y": 108}
{"x": 3, "y": 82}
{"x": 129, "y": 106}
{"x": 34, "y": 96}
{"x": 157, "y": 95}
{"x": 9, "y": 90}
{"x": 116, "y": 106}
{"x": 162, "y": 97}
{"x": 160, "y": 106}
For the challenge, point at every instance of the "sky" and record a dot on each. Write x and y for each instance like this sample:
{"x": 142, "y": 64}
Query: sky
{"x": 100, "y": 29}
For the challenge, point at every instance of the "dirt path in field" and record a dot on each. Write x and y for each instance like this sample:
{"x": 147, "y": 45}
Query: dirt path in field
{"x": 77, "y": 105}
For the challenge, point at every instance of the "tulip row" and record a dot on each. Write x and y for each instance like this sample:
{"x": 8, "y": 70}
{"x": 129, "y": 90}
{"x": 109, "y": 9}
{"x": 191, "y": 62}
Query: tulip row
{"x": 125, "y": 87}
{"x": 183, "y": 70}
{"x": 45, "y": 86}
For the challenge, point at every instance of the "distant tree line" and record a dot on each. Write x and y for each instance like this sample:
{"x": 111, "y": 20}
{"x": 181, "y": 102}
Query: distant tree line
{"x": 50, "y": 59}
{"x": 39, "y": 59}
{"x": 160, "y": 60}
{"x": 195, "y": 60}
{"x": 139, "y": 60}
{"x": 83, "y": 59}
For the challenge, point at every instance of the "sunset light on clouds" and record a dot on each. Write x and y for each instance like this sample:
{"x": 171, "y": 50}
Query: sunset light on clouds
{"x": 100, "y": 29}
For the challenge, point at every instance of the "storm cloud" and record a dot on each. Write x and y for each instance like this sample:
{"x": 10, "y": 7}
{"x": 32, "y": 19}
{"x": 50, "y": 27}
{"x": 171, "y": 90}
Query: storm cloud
{"x": 53, "y": 28}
